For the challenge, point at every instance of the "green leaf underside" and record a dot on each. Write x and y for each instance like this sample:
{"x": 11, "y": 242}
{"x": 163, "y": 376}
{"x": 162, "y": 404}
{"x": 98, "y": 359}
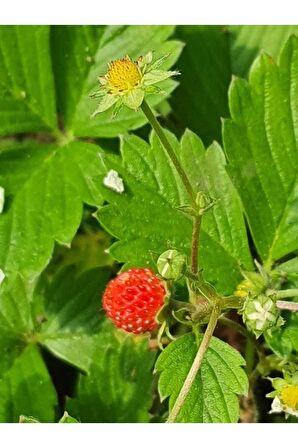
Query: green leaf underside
{"x": 81, "y": 54}
{"x": 27, "y": 94}
{"x": 120, "y": 381}
{"x": 201, "y": 97}
{"x": 72, "y": 306}
{"x": 26, "y": 388}
{"x": 145, "y": 217}
{"x": 261, "y": 144}
{"x": 246, "y": 41}
{"x": 47, "y": 201}
{"x": 213, "y": 395}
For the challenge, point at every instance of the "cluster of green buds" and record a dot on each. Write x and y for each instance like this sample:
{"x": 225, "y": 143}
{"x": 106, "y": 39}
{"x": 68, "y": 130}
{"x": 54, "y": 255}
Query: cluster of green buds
{"x": 285, "y": 394}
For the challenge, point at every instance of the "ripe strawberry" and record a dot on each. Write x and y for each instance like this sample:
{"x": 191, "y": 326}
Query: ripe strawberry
{"x": 132, "y": 300}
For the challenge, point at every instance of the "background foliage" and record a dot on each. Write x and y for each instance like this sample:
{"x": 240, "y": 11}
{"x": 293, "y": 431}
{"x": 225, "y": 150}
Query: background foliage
{"x": 58, "y": 352}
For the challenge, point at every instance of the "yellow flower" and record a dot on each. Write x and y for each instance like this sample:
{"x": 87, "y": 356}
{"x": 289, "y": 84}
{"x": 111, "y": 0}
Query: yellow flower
{"x": 126, "y": 82}
{"x": 285, "y": 395}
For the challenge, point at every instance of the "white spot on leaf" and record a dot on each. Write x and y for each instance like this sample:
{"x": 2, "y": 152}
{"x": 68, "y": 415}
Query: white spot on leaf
{"x": 114, "y": 181}
{"x": 2, "y": 276}
{"x": 2, "y": 198}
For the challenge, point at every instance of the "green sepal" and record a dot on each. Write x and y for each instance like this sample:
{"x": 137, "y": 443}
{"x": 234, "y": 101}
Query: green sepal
{"x": 155, "y": 76}
{"x": 134, "y": 98}
{"x": 107, "y": 102}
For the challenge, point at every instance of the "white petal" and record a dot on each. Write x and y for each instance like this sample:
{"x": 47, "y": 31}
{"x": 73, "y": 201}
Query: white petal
{"x": 2, "y": 276}
{"x": 114, "y": 181}
{"x": 2, "y": 198}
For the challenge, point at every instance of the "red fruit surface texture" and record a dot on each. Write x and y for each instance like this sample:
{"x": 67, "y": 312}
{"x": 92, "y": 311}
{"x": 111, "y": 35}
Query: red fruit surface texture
{"x": 132, "y": 300}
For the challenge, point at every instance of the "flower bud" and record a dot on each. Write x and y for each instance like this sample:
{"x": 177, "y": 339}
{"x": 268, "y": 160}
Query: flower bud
{"x": 170, "y": 264}
{"x": 261, "y": 314}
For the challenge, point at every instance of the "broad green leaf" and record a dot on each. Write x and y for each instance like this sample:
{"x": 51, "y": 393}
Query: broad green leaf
{"x": 119, "y": 386}
{"x": 145, "y": 217}
{"x": 47, "y": 200}
{"x": 261, "y": 145}
{"x": 71, "y": 311}
{"x": 201, "y": 97}
{"x": 246, "y": 41}
{"x": 213, "y": 395}
{"x": 27, "y": 389}
{"x": 27, "y": 93}
{"x": 81, "y": 54}
{"x": 289, "y": 269}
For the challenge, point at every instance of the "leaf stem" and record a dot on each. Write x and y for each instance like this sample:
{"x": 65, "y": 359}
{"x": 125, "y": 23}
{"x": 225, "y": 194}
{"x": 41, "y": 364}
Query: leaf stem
{"x": 168, "y": 147}
{"x": 196, "y": 363}
{"x": 195, "y": 243}
{"x": 284, "y": 305}
{"x": 283, "y": 294}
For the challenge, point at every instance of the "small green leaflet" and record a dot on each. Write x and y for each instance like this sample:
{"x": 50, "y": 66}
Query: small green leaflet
{"x": 213, "y": 395}
{"x": 261, "y": 145}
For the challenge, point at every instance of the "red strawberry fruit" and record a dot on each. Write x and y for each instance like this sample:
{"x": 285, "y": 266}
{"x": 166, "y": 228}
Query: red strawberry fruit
{"x": 133, "y": 298}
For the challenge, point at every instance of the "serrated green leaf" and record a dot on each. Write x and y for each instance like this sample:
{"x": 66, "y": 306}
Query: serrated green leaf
{"x": 246, "y": 41}
{"x": 289, "y": 269}
{"x": 145, "y": 218}
{"x": 47, "y": 201}
{"x": 120, "y": 381}
{"x": 261, "y": 144}
{"x": 201, "y": 97}
{"x": 27, "y": 94}
{"x": 213, "y": 395}
{"x": 71, "y": 311}
{"x": 81, "y": 54}
{"x": 27, "y": 389}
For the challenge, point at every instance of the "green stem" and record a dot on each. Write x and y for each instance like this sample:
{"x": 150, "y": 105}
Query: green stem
{"x": 283, "y": 294}
{"x": 195, "y": 243}
{"x": 250, "y": 351}
{"x": 196, "y": 364}
{"x": 168, "y": 147}
{"x": 284, "y": 305}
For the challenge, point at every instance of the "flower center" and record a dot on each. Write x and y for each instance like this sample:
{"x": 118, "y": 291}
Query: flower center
{"x": 289, "y": 396}
{"x": 123, "y": 74}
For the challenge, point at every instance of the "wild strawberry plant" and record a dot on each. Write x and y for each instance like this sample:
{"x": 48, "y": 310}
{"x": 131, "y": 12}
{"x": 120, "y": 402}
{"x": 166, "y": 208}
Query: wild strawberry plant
{"x": 185, "y": 236}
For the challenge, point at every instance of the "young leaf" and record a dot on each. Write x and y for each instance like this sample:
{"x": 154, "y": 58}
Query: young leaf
{"x": 212, "y": 397}
{"x": 47, "y": 201}
{"x": 27, "y": 93}
{"x": 246, "y": 41}
{"x": 81, "y": 54}
{"x": 261, "y": 144}
{"x": 145, "y": 218}
{"x": 119, "y": 382}
{"x": 201, "y": 97}
{"x": 71, "y": 309}
{"x": 27, "y": 389}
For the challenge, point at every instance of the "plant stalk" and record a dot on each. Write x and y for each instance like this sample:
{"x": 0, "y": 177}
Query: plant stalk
{"x": 168, "y": 147}
{"x": 195, "y": 243}
{"x": 196, "y": 363}
{"x": 284, "y": 305}
{"x": 283, "y": 294}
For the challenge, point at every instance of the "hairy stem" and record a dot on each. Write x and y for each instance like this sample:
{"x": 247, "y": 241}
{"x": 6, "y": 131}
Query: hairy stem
{"x": 196, "y": 364}
{"x": 284, "y": 305}
{"x": 195, "y": 243}
{"x": 168, "y": 147}
{"x": 283, "y": 294}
